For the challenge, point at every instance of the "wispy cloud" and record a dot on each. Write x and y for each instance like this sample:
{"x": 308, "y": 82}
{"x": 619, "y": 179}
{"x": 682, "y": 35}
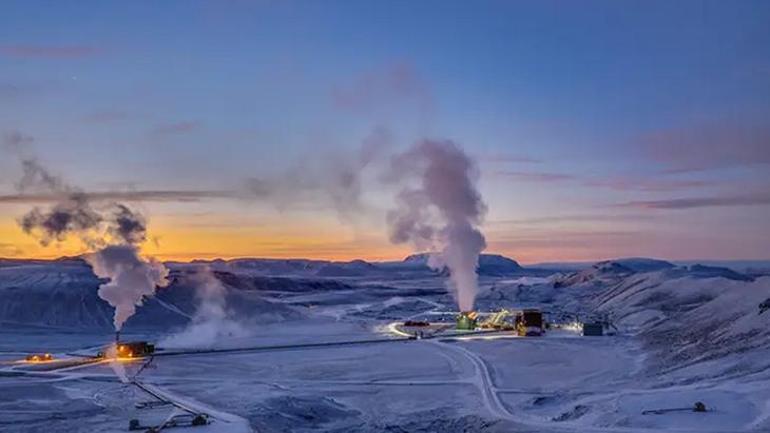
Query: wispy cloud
{"x": 758, "y": 199}
{"x": 10, "y": 250}
{"x": 590, "y": 218}
{"x": 647, "y": 185}
{"x": 617, "y": 183}
{"x": 550, "y": 240}
{"x": 560, "y": 245}
{"x": 705, "y": 147}
{"x": 537, "y": 176}
{"x": 49, "y": 51}
{"x": 16, "y": 140}
{"x": 176, "y": 128}
{"x": 135, "y": 196}
{"x": 503, "y": 158}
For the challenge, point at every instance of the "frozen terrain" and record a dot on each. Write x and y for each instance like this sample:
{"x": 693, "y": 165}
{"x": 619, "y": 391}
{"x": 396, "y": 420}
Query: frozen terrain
{"x": 685, "y": 333}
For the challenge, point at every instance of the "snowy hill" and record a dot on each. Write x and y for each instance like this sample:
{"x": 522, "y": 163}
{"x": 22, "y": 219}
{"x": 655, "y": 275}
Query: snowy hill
{"x": 489, "y": 264}
{"x": 642, "y": 264}
{"x": 610, "y": 271}
{"x": 292, "y": 266}
{"x": 63, "y": 293}
{"x": 684, "y": 315}
{"x": 685, "y": 334}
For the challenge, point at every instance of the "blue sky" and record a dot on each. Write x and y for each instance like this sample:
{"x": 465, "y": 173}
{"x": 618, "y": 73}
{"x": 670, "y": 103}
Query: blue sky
{"x": 601, "y": 128}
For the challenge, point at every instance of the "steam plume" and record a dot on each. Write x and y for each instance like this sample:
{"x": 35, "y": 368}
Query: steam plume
{"x": 72, "y": 214}
{"x": 439, "y": 208}
{"x": 131, "y": 279}
{"x": 212, "y": 321}
{"x": 15, "y": 141}
{"x": 35, "y": 177}
{"x": 128, "y": 226}
{"x": 335, "y": 181}
{"x": 117, "y": 367}
{"x": 115, "y": 231}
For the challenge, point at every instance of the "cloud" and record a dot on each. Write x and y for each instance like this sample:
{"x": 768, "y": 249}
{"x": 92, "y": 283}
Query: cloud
{"x": 758, "y": 199}
{"x": 36, "y": 177}
{"x": 49, "y": 51}
{"x": 502, "y": 158}
{"x": 552, "y": 245}
{"x": 548, "y": 219}
{"x": 618, "y": 183}
{"x": 337, "y": 180}
{"x": 534, "y": 244}
{"x": 71, "y": 214}
{"x": 133, "y": 196}
{"x": 392, "y": 83}
{"x": 708, "y": 147}
{"x": 10, "y": 250}
{"x": 15, "y": 141}
{"x": 561, "y": 237}
{"x": 647, "y": 185}
{"x": 176, "y": 128}
{"x": 537, "y": 176}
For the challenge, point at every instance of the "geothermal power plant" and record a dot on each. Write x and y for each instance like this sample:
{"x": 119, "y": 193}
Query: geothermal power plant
{"x": 130, "y": 358}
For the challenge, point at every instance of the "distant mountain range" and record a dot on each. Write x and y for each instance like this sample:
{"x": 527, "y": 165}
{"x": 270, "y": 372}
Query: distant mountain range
{"x": 753, "y": 267}
{"x": 489, "y": 265}
{"x": 63, "y": 292}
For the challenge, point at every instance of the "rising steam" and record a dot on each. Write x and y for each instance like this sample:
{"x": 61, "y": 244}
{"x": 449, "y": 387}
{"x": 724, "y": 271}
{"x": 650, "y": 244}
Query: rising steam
{"x": 439, "y": 209}
{"x": 114, "y": 231}
{"x": 327, "y": 181}
{"x": 72, "y": 214}
{"x": 131, "y": 278}
{"x": 213, "y": 321}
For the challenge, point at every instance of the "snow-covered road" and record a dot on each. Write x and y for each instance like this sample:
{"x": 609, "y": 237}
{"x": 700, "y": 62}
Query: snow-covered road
{"x": 482, "y": 379}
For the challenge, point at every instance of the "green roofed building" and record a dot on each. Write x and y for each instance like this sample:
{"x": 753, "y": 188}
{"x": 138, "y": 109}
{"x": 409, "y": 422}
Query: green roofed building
{"x": 467, "y": 321}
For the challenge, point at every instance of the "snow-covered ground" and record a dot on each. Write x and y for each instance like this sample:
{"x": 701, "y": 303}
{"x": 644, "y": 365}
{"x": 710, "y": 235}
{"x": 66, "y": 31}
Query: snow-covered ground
{"x": 685, "y": 334}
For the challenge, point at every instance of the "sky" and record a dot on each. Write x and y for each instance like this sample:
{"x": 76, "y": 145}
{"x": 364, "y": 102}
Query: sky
{"x": 601, "y": 129}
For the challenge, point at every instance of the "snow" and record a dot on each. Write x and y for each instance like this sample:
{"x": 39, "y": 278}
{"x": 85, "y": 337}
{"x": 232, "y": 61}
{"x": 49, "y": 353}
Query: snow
{"x": 686, "y": 334}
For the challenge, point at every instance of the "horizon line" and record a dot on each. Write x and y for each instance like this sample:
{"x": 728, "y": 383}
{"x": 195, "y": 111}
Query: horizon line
{"x": 530, "y": 264}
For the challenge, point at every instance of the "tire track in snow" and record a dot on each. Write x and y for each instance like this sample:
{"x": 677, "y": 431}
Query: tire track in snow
{"x": 484, "y": 383}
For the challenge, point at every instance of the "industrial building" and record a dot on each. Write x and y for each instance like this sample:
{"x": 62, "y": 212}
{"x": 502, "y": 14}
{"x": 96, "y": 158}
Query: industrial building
{"x": 529, "y": 323}
{"x": 467, "y": 321}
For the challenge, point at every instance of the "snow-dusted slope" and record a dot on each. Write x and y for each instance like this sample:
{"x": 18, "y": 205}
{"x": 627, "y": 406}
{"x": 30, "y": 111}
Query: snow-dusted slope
{"x": 687, "y": 333}
{"x": 684, "y": 315}
{"x": 63, "y": 293}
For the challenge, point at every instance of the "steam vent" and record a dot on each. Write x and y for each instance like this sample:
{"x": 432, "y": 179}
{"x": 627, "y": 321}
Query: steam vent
{"x": 466, "y": 320}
